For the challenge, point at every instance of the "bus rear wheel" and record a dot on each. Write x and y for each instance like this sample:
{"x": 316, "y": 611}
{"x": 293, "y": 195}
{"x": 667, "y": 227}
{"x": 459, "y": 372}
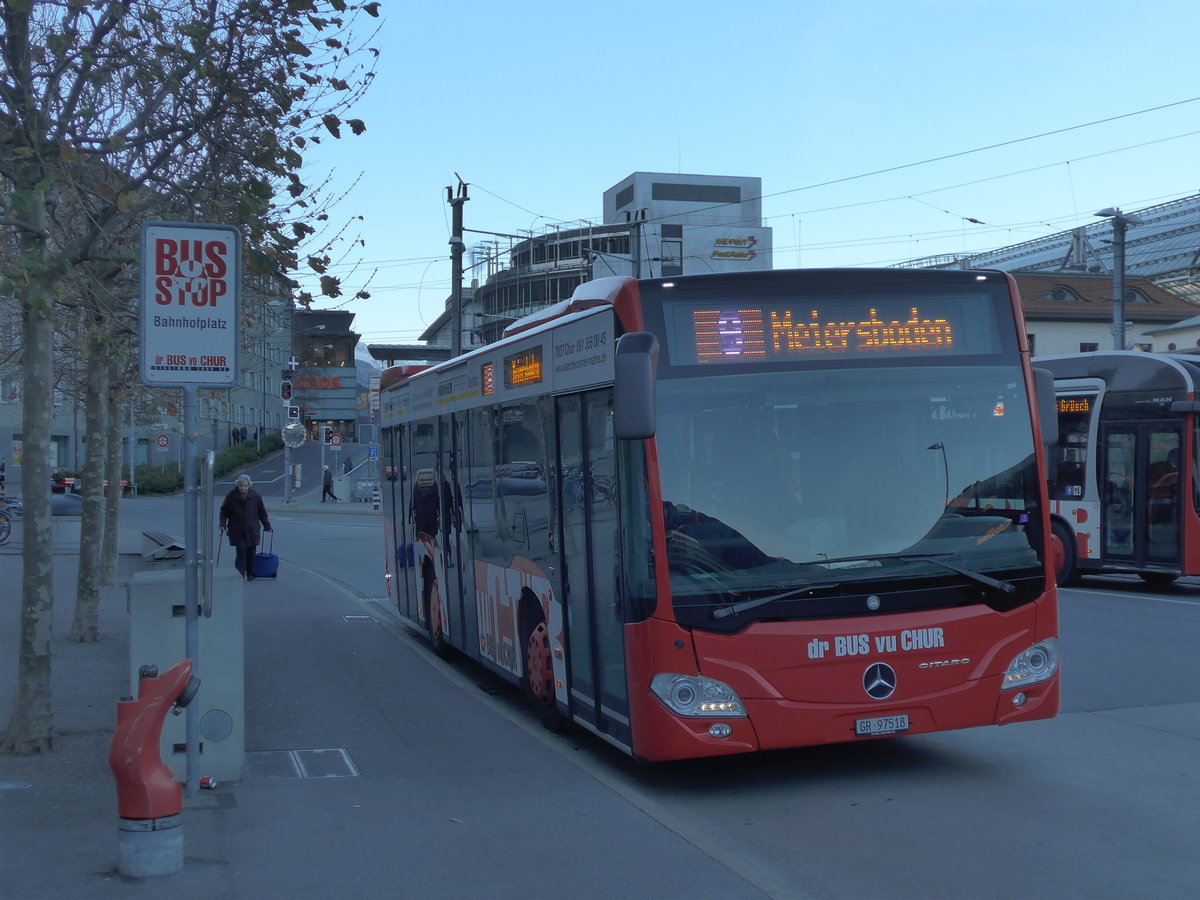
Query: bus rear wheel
{"x": 539, "y": 676}
{"x": 1066, "y": 572}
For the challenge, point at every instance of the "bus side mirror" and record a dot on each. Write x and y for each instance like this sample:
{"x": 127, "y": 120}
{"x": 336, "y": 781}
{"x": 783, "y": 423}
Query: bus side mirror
{"x": 633, "y": 385}
{"x": 1047, "y": 405}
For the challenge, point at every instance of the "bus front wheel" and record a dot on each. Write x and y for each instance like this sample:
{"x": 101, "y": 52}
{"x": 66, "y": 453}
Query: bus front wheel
{"x": 1066, "y": 572}
{"x": 539, "y": 675}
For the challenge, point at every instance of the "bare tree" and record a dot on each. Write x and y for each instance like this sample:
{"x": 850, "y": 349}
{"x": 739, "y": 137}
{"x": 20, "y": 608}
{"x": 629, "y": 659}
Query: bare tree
{"x": 117, "y": 111}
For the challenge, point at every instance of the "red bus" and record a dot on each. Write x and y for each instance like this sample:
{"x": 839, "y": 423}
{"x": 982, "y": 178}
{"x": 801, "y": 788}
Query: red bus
{"x": 1121, "y": 499}
{"x": 725, "y": 513}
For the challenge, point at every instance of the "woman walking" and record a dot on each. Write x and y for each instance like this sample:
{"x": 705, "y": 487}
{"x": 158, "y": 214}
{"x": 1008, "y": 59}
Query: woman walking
{"x": 241, "y": 514}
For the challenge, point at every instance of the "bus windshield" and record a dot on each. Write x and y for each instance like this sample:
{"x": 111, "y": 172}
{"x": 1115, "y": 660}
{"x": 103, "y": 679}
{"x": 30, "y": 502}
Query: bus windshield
{"x": 787, "y": 479}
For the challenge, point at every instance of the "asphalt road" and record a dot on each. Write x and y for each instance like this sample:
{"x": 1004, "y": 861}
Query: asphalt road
{"x": 1101, "y": 802}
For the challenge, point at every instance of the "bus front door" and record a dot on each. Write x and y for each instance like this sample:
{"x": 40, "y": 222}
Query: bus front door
{"x": 587, "y": 498}
{"x": 1140, "y": 521}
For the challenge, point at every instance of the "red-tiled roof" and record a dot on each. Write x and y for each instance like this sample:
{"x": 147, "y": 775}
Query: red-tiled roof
{"x": 1086, "y": 297}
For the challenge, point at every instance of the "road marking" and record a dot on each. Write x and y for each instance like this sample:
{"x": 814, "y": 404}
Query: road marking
{"x": 760, "y": 874}
{"x": 1131, "y": 596}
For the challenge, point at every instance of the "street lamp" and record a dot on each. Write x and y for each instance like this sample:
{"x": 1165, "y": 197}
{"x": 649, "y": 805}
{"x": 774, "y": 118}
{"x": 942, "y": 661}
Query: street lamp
{"x": 1120, "y": 222}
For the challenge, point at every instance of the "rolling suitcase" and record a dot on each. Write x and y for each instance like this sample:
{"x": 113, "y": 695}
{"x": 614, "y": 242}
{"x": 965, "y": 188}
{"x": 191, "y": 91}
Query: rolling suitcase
{"x": 266, "y": 565}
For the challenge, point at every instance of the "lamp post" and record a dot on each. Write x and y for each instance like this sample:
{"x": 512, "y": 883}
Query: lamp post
{"x": 1120, "y": 222}
{"x": 941, "y": 445}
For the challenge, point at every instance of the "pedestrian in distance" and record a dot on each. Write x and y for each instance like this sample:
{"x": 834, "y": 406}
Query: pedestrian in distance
{"x": 327, "y": 485}
{"x": 241, "y": 514}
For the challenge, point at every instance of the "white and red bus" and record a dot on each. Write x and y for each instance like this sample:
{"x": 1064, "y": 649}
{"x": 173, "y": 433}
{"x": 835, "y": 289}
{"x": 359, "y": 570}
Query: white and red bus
{"x": 1123, "y": 481}
{"x": 724, "y": 513}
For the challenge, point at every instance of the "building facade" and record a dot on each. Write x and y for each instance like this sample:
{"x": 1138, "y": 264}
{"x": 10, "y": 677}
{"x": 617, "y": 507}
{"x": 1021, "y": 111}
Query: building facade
{"x": 655, "y": 225}
{"x": 325, "y": 379}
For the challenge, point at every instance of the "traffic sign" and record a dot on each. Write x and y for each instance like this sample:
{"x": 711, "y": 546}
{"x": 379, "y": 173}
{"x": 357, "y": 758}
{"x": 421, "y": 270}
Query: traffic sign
{"x": 336, "y": 440}
{"x": 162, "y": 441}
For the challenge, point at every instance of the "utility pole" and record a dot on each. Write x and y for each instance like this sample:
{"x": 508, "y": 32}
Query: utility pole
{"x": 456, "y": 199}
{"x": 1120, "y": 222}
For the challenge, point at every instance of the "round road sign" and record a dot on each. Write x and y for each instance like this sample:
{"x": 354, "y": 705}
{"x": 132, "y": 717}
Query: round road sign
{"x": 162, "y": 440}
{"x": 293, "y": 434}
{"x": 336, "y": 440}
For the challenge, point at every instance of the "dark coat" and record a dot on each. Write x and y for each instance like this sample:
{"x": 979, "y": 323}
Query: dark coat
{"x": 241, "y": 517}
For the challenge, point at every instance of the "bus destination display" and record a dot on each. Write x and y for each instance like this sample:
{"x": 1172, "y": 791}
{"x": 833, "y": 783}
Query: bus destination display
{"x": 523, "y": 368}
{"x": 777, "y": 332}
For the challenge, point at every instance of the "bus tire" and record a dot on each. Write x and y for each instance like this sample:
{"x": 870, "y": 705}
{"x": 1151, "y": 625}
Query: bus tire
{"x": 1066, "y": 571}
{"x": 432, "y": 597}
{"x": 538, "y": 680}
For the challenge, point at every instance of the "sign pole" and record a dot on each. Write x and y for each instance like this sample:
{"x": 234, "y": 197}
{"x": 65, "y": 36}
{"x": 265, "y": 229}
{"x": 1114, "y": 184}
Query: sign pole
{"x": 191, "y": 584}
{"x": 189, "y": 311}
{"x": 287, "y": 474}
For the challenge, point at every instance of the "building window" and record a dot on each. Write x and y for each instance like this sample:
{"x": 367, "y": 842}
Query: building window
{"x": 1059, "y": 293}
{"x": 1085, "y": 347}
{"x": 696, "y": 193}
{"x": 672, "y": 257}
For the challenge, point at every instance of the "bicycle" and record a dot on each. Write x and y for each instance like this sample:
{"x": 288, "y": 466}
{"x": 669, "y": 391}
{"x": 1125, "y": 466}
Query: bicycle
{"x": 5, "y": 526}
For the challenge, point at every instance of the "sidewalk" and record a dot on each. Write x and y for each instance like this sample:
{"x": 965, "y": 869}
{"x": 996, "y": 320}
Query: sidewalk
{"x": 442, "y": 794}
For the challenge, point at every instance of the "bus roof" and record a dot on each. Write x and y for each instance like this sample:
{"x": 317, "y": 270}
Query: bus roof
{"x": 1127, "y": 370}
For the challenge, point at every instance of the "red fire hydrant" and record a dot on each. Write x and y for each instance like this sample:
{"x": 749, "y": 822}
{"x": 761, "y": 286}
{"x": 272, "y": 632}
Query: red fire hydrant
{"x": 149, "y": 800}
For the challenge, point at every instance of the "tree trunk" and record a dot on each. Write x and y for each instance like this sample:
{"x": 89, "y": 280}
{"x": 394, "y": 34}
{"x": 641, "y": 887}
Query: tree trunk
{"x": 31, "y": 728}
{"x": 85, "y": 627}
{"x": 112, "y": 494}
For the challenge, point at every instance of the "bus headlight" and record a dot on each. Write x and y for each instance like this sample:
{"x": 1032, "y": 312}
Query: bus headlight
{"x": 694, "y": 695}
{"x": 1034, "y": 665}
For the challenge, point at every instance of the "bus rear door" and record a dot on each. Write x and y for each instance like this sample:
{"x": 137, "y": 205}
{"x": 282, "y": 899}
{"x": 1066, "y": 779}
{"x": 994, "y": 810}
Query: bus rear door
{"x": 1140, "y": 523}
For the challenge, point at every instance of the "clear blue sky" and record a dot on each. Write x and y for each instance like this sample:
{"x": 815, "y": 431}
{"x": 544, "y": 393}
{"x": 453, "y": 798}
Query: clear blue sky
{"x": 541, "y": 107}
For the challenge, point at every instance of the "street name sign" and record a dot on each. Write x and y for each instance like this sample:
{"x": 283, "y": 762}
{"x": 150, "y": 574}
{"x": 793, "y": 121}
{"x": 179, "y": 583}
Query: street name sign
{"x": 190, "y": 304}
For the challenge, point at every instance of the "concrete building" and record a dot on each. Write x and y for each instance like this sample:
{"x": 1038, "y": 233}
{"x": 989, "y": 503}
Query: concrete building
{"x": 325, "y": 381}
{"x": 153, "y": 427}
{"x": 655, "y": 224}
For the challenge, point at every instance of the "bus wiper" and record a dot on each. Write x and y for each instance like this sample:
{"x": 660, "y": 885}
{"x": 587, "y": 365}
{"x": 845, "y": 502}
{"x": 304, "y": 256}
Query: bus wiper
{"x": 736, "y": 608}
{"x": 1006, "y": 587}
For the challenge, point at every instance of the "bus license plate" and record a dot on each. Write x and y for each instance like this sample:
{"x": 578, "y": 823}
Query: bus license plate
{"x": 880, "y": 725}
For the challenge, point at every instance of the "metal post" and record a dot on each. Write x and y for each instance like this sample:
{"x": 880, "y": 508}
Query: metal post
{"x": 191, "y": 581}
{"x": 1118, "y": 279}
{"x": 133, "y": 448}
{"x": 262, "y": 385}
{"x": 456, "y": 265}
{"x": 287, "y": 474}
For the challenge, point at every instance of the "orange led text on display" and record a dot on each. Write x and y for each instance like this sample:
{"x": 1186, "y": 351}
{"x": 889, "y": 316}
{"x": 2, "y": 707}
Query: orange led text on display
{"x": 523, "y": 368}
{"x": 1074, "y": 405}
{"x": 750, "y": 334}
